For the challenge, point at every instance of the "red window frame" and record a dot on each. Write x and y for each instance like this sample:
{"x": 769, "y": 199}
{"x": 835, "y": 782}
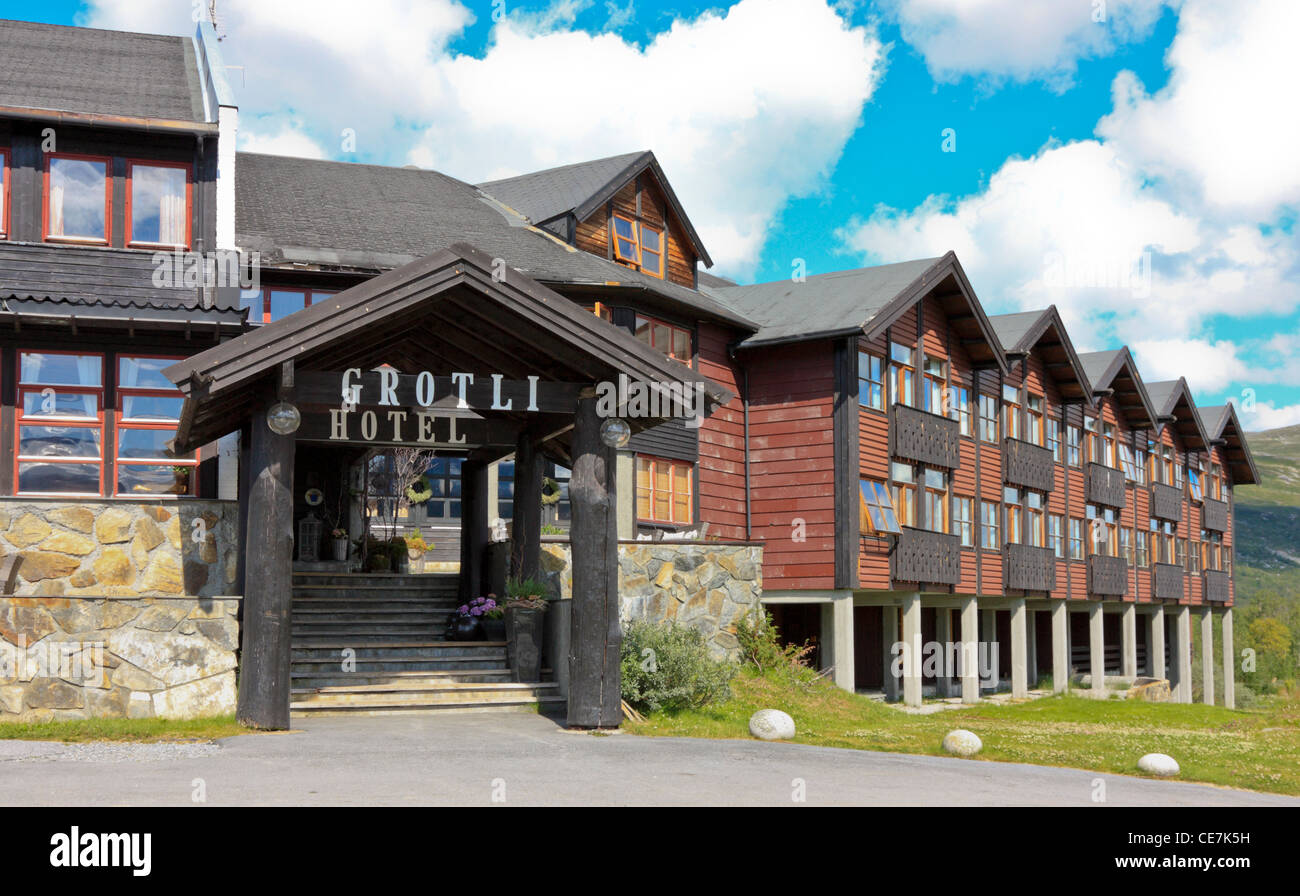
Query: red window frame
{"x": 311, "y": 296}
{"x": 637, "y": 240}
{"x": 653, "y": 322}
{"x": 189, "y": 198}
{"x": 44, "y": 420}
{"x": 4, "y": 192}
{"x": 108, "y": 200}
{"x": 651, "y": 491}
{"x": 121, "y": 422}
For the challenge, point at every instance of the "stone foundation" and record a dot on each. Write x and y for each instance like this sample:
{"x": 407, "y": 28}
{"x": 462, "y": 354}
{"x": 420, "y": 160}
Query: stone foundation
{"x": 93, "y": 657}
{"x": 706, "y": 585}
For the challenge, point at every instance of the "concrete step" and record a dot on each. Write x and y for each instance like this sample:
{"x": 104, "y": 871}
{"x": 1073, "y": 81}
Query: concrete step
{"x": 335, "y": 679}
{"x": 437, "y": 582}
{"x": 391, "y": 665}
{"x": 346, "y": 599}
{"x": 438, "y": 693}
{"x": 364, "y": 633}
{"x": 364, "y": 594}
{"x": 543, "y": 704}
{"x": 329, "y": 649}
{"x": 390, "y": 617}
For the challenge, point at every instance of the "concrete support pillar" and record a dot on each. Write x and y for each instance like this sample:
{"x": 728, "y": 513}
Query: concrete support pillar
{"x": 1060, "y": 647}
{"x": 1207, "y": 656}
{"x": 1019, "y": 659}
{"x": 989, "y": 635}
{"x": 943, "y": 634}
{"x": 889, "y": 638}
{"x": 1229, "y": 663}
{"x": 970, "y": 643}
{"x": 1097, "y": 649}
{"x": 1157, "y": 657}
{"x": 1184, "y": 654}
{"x": 1031, "y": 647}
{"x": 912, "y": 655}
{"x": 842, "y": 636}
{"x": 1128, "y": 641}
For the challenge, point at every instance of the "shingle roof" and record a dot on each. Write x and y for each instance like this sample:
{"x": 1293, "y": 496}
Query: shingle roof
{"x": 824, "y": 304}
{"x": 1166, "y": 396}
{"x": 1103, "y": 368}
{"x": 374, "y": 217}
{"x": 1013, "y": 328}
{"x": 580, "y": 189}
{"x": 90, "y": 71}
{"x": 1022, "y": 331}
{"x": 1217, "y": 422}
{"x": 1097, "y": 365}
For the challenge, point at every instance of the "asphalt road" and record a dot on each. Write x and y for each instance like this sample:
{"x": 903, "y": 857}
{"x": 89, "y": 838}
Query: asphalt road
{"x": 530, "y": 760}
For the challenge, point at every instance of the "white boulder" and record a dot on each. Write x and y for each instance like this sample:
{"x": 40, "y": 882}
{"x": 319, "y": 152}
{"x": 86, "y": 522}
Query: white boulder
{"x": 961, "y": 742}
{"x": 771, "y": 724}
{"x": 1158, "y": 764}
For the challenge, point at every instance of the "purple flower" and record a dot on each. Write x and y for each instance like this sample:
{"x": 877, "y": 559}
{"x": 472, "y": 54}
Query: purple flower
{"x": 463, "y": 610}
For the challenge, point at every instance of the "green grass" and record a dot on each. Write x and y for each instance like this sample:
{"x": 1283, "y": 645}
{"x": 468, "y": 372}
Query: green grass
{"x": 125, "y": 730}
{"x": 1255, "y": 749}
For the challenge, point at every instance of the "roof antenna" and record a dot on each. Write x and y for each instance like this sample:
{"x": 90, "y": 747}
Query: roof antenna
{"x": 212, "y": 17}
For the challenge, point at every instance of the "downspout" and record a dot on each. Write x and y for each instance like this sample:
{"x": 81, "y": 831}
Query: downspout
{"x": 744, "y": 404}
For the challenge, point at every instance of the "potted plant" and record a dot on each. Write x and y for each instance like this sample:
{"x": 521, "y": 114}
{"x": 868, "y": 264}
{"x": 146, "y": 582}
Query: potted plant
{"x": 339, "y": 544}
{"x": 377, "y": 556}
{"x": 397, "y": 551}
{"x": 494, "y": 619}
{"x": 525, "y": 604}
{"x": 467, "y": 622}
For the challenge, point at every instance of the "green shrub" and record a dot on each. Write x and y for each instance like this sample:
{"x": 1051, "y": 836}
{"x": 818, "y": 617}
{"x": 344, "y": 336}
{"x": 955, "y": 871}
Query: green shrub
{"x": 761, "y": 648}
{"x": 666, "y": 667}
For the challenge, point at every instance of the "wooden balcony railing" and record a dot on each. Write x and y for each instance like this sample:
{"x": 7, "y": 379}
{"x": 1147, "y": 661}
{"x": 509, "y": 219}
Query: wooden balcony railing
{"x": 1216, "y": 585}
{"x": 924, "y": 437}
{"x": 1029, "y": 568}
{"x": 1214, "y": 515}
{"x": 1027, "y": 464}
{"x": 1166, "y": 502}
{"x": 1107, "y": 576}
{"x": 924, "y": 557}
{"x": 1104, "y": 486}
{"x": 1167, "y": 581}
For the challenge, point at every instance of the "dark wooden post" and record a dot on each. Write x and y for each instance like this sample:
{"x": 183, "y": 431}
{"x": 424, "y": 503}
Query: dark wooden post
{"x": 268, "y": 591}
{"x": 594, "y": 685}
{"x": 473, "y": 527}
{"x": 526, "y": 526}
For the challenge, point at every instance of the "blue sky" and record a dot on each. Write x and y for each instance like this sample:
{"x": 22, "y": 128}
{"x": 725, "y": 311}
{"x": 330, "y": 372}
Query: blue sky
{"x": 1092, "y": 139}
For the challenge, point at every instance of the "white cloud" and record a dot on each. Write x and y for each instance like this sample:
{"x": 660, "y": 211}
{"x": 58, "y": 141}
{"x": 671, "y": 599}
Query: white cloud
{"x": 745, "y": 108}
{"x": 288, "y": 140}
{"x": 1217, "y": 363}
{"x": 1018, "y": 40}
{"x": 1265, "y": 415}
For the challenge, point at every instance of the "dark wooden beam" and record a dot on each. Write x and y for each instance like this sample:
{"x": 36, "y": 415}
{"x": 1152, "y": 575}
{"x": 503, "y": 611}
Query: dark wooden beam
{"x": 526, "y": 524}
{"x": 473, "y": 527}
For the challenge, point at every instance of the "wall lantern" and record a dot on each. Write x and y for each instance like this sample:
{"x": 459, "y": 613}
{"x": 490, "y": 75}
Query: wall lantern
{"x": 283, "y": 418}
{"x": 615, "y": 432}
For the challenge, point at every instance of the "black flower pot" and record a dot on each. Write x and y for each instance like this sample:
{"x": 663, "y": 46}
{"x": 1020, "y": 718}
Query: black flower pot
{"x": 524, "y": 642}
{"x": 494, "y": 629}
{"x": 465, "y": 628}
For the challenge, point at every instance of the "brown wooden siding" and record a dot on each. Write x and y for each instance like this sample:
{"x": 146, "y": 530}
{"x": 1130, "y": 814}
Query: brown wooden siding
{"x": 722, "y": 441}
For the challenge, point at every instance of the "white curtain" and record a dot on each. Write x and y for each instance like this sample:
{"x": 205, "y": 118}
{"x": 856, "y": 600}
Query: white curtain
{"x": 90, "y": 370}
{"x": 56, "y": 210}
{"x": 171, "y": 219}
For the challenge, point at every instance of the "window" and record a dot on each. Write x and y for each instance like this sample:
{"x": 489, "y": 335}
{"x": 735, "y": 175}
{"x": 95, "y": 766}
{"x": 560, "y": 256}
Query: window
{"x": 1035, "y": 528}
{"x": 963, "y": 519}
{"x": 1194, "y": 483}
{"x": 1015, "y": 516}
{"x": 904, "y": 482}
{"x": 1108, "y": 445}
{"x": 959, "y": 408}
{"x": 988, "y": 418}
{"x": 78, "y": 196}
{"x": 1104, "y": 538}
{"x": 1010, "y": 412}
{"x": 902, "y": 374}
{"x": 1056, "y": 534}
{"x": 1054, "y": 438}
{"x": 639, "y": 244}
{"x": 1193, "y": 555}
{"x": 663, "y": 490}
{"x": 936, "y": 500}
{"x": 4, "y": 193}
{"x": 1076, "y": 538}
{"x": 934, "y": 386}
{"x": 1126, "y": 544}
{"x": 674, "y": 342}
{"x": 1153, "y": 536}
{"x": 1073, "y": 446}
{"x": 1034, "y": 419}
{"x": 1169, "y": 543}
{"x": 157, "y": 204}
{"x": 603, "y": 311}
{"x": 1142, "y": 546}
{"x": 1140, "y": 465}
{"x": 989, "y": 513}
{"x": 60, "y": 423}
{"x": 148, "y": 411}
{"x": 871, "y": 381}
{"x": 273, "y": 303}
{"x": 1092, "y": 431}
{"x": 1128, "y": 463}
{"x": 1214, "y": 485}
{"x": 444, "y": 478}
{"x": 506, "y": 490}
{"x": 877, "y": 508}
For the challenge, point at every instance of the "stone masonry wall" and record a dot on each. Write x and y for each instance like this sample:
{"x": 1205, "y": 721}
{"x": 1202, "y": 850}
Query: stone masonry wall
{"x": 706, "y": 585}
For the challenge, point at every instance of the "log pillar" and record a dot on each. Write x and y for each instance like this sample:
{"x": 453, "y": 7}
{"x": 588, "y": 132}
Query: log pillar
{"x": 595, "y": 698}
{"x": 912, "y": 649}
{"x": 473, "y": 527}
{"x": 1157, "y": 660}
{"x": 1128, "y": 641}
{"x": 1019, "y": 650}
{"x": 970, "y": 650}
{"x": 1060, "y": 647}
{"x": 268, "y": 589}
{"x": 526, "y": 525}
{"x": 1097, "y": 649}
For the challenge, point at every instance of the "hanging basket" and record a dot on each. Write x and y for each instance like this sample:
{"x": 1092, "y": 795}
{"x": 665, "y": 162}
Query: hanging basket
{"x": 419, "y": 491}
{"x": 550, "y": 491}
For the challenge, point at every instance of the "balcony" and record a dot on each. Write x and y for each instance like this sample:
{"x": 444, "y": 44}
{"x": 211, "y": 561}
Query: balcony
{"x": 1216, "y": 586}
{"x": 1104, "y": 486}
{"x": 924, "y": 437}
{"x": 1166, "y": 502}
{"x": 927, "y": 558}
{"x": 1028, "y": 465}
{"x": 1214, "y": 515}
{"x": 1029, "y": 568}
{"x": 1107, "y": 576}
{"x": 1167, "y": 581}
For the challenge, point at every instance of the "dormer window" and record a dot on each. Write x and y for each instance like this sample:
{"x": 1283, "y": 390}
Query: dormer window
{"x": 157, "y": 204}
{"x": 640, "y": 245}
{"x": 78, "y": 196}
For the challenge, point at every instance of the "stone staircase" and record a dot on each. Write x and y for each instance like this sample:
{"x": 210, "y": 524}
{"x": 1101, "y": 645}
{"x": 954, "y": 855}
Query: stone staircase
{"x": 394, "y": 624}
